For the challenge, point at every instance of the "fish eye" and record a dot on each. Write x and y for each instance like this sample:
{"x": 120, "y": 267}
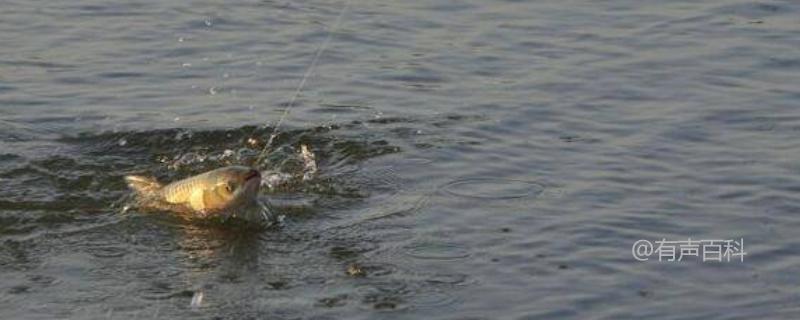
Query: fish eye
{"x": 230, "y": 186}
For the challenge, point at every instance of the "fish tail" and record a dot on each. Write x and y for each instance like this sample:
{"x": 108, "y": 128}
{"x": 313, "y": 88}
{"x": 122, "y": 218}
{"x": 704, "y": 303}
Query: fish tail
{"x": 143, "y": 186}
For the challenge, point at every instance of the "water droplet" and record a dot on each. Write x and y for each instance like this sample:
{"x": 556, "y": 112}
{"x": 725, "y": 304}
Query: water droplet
{"x": 197, "y": 299}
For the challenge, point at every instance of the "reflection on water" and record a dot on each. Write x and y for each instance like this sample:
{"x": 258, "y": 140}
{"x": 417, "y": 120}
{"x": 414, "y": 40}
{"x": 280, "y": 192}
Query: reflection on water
{"x": 477, "y": 160}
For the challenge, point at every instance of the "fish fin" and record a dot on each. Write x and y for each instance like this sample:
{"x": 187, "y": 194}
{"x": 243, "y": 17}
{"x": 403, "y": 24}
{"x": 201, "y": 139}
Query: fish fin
{"x": 143, "y": 186}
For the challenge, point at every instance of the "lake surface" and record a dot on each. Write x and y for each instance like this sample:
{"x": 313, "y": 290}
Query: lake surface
{"x": 477, "y": 159}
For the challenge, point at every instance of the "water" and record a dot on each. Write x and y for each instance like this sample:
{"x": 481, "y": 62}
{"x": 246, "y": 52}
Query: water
{"x": 477, "y": 159}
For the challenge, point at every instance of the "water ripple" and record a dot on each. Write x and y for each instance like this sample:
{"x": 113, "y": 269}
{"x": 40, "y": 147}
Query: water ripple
{"x": 430, "y": 250}
{"x": 493, "y": 189}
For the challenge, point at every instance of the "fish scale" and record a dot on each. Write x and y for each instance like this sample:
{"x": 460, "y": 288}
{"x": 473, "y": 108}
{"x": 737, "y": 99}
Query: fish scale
{"x": 180, "y": 191}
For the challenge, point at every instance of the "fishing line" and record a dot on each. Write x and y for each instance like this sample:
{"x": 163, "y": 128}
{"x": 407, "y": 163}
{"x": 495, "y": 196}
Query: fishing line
{"x": 303, "y": 81}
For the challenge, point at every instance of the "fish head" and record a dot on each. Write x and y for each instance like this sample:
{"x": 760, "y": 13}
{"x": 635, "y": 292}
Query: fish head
{"x": 233, "y": 186}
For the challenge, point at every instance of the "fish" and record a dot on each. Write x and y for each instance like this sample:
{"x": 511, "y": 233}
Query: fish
{"x": 227, "y": 191}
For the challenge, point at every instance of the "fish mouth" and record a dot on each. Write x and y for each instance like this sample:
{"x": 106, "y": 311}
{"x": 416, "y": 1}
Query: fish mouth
{"x": 252, "y": 174}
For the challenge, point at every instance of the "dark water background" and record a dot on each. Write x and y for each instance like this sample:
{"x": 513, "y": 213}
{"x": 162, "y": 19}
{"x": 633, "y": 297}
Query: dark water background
{"x": 478, "y": 159}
